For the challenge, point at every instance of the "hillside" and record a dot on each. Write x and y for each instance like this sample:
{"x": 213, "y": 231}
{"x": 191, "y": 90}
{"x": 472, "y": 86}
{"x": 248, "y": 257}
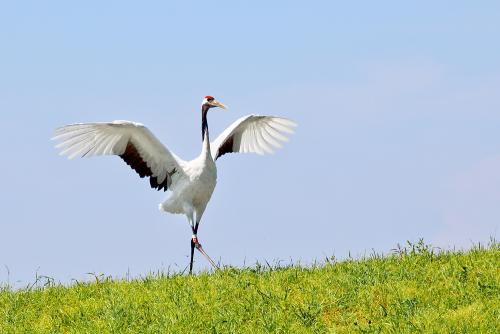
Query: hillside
{"x": 416, "y": 289}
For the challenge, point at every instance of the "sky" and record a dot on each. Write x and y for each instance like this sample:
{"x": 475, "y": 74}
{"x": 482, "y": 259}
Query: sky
{"x": 398, "y": 107}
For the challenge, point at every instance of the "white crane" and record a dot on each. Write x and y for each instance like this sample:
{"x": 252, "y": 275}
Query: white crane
{"x": 191, "y": 182}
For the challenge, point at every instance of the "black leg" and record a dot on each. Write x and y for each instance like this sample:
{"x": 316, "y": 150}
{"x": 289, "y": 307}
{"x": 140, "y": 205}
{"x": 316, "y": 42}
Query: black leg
{"x": 192, "y": 258}
{"x": 193, "y": 245}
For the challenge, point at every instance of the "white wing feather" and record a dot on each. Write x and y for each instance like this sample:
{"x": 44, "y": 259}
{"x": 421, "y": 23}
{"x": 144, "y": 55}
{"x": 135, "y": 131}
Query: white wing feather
{"x": 253, "y": 133}
{"x": 92, "y": 139}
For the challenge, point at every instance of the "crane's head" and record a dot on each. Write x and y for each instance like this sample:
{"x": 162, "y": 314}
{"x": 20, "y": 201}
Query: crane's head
{"x": 210, "y": 102}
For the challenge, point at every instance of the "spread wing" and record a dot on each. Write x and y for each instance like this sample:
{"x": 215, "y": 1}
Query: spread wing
{"x": 253, "y": 133}
{"x": 132, "y": 142}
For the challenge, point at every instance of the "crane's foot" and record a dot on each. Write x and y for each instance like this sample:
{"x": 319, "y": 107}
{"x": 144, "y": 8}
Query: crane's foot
{"x": 197, "y": 245}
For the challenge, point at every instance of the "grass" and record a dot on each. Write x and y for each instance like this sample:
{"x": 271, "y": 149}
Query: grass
{"x": 414, "y": 290}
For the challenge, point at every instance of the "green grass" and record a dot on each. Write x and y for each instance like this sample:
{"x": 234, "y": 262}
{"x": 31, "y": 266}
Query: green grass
{"x": 414, "y": 290}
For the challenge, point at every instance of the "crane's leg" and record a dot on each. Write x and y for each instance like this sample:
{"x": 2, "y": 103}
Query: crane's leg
{"x": 198, "y": 246}
{"x": 193, "y": 239}
{"x": 202, "y": 251}
{"x": 192, "y": 257}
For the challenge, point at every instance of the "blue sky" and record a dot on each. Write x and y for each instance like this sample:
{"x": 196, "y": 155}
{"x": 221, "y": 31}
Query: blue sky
{"x": 397, "y": 104}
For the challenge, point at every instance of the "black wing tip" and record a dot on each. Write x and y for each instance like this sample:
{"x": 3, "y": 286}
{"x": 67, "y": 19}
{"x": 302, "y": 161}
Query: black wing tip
{"x": 153, "y": 181}
{"x": 132, "y": 158}
{"x": 226, "y": 147}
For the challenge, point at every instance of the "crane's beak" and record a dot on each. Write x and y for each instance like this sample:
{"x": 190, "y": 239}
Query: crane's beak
{"x": 215, "y": 103}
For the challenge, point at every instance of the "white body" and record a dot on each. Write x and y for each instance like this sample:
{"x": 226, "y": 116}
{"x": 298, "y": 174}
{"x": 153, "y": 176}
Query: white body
{"x": 192, "y": 192}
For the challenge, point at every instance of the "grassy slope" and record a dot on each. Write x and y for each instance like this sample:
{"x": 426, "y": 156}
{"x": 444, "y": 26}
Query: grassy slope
{"x": 415, "y": 290}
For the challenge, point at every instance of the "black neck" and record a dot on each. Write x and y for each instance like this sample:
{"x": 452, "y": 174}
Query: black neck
{"x": 204, "y": 123}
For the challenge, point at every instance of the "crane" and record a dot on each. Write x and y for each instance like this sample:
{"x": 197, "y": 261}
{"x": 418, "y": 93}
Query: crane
{"x": 191, "y": 182}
